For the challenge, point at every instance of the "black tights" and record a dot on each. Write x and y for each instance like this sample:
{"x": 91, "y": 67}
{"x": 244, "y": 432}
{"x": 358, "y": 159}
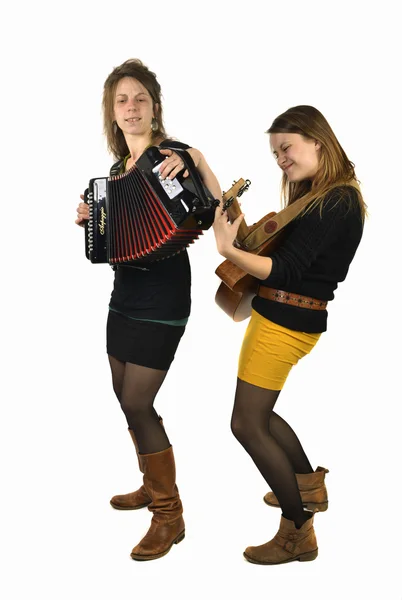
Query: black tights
{"x": 272, "y": 444}
{"x": 136, "y": 388}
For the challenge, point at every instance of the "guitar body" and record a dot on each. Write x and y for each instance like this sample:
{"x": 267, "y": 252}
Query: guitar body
{"x": 237, "y": 305}
{"x": 231, "y": 274}
{"x": 238, "y": 288}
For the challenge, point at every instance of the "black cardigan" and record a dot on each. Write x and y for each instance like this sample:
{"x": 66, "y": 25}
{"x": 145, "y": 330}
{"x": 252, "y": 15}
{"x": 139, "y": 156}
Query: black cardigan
{"x": 313, "y": 258}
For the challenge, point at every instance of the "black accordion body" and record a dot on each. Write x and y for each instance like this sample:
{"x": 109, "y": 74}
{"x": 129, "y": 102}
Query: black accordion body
{"x": 137, "y": 217}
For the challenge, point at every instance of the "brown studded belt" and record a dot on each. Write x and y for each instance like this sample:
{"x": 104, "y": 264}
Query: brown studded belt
{"x": 290, "y": 298}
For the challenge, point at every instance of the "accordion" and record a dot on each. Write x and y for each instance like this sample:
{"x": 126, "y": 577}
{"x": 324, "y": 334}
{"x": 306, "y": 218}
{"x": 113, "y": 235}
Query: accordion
{"x": 138, "y": 217}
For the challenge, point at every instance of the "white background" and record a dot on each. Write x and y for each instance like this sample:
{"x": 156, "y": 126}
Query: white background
{"x": 227, "y": 69}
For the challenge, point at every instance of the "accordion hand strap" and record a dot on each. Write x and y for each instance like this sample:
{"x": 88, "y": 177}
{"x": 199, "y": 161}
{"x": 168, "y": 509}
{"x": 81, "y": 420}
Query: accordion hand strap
{"x": 189, "y": 164}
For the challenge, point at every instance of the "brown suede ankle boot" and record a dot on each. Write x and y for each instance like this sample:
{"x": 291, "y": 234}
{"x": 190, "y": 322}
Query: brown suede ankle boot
{"x": 167, "y": 525}
{"x": 312, "y": 491}
{"x": 288, "y": 544}
{"x": 133, "y": 500}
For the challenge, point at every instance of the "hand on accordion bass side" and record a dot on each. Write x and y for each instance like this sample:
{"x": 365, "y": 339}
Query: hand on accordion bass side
{"x": 207, "y": 175}
{"x": 173, "y": 164}
{"x": 82, "y": 213}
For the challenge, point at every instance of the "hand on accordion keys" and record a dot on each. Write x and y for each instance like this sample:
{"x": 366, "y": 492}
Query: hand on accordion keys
{"x": 82, "y": 212}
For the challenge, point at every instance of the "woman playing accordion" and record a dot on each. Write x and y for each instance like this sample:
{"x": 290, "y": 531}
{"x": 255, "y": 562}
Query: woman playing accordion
{"x": 150, "y": 302}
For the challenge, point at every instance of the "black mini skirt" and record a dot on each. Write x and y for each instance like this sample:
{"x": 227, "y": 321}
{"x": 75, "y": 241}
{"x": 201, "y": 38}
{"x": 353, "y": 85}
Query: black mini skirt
{"x": 144, "y": 343}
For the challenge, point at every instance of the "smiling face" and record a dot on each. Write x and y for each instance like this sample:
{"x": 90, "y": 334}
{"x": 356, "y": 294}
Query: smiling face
{"x": 133, "y": 107}
{"x": 296, "y": 155}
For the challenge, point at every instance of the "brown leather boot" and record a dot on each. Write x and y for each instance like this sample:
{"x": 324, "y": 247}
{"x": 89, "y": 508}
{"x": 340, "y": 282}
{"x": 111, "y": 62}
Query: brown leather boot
{"x": 312, "y": 491}
{"x": 137, "y": 499}
{"x": 288, "y": 544}
{"x": 167, "y": 525}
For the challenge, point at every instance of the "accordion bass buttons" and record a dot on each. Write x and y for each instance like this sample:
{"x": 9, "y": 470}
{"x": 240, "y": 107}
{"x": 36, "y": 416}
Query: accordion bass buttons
{"x": 171, "y": 187}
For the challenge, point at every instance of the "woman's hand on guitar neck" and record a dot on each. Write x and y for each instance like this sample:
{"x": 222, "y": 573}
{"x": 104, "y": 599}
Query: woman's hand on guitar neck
{"x": 225, "y": 232}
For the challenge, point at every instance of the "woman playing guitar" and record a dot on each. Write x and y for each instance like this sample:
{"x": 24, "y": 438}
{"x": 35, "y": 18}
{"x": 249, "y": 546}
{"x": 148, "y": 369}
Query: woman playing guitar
{"x": 296, "y": 281}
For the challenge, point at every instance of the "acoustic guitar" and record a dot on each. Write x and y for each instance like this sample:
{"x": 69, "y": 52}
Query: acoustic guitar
{"x": 238, "y": 288}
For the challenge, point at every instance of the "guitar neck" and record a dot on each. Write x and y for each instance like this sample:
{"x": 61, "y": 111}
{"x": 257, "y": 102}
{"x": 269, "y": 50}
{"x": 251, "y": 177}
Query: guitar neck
{"x": 234, "y": 211}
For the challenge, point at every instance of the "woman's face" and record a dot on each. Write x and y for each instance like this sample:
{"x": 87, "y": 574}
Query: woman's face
{"x": 296, "y": 155}
{"x": 133, "y": 107}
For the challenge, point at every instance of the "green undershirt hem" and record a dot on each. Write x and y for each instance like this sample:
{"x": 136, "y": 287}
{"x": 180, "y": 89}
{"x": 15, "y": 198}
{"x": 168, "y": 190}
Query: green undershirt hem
{"x": 176, "y": 323}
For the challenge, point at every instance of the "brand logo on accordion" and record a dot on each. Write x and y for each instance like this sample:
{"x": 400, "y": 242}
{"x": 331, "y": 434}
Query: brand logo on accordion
{"x": 102, "y": 223}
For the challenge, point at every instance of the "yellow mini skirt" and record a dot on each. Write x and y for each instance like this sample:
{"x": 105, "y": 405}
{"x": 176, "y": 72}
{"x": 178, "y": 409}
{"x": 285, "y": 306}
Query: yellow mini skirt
{"x": 269, "y": 351}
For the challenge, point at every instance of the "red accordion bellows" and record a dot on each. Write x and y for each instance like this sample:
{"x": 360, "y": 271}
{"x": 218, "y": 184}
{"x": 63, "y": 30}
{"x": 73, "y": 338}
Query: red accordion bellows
{"x": 138, "y": 217}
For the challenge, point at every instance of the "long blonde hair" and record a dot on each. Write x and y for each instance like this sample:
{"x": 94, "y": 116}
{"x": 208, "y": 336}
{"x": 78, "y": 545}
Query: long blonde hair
{"x": 135, "y": 68}
{"x": 334, "y": 167}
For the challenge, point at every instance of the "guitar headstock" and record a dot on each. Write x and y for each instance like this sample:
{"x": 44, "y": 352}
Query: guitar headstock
{"x": 238, "y": 188}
